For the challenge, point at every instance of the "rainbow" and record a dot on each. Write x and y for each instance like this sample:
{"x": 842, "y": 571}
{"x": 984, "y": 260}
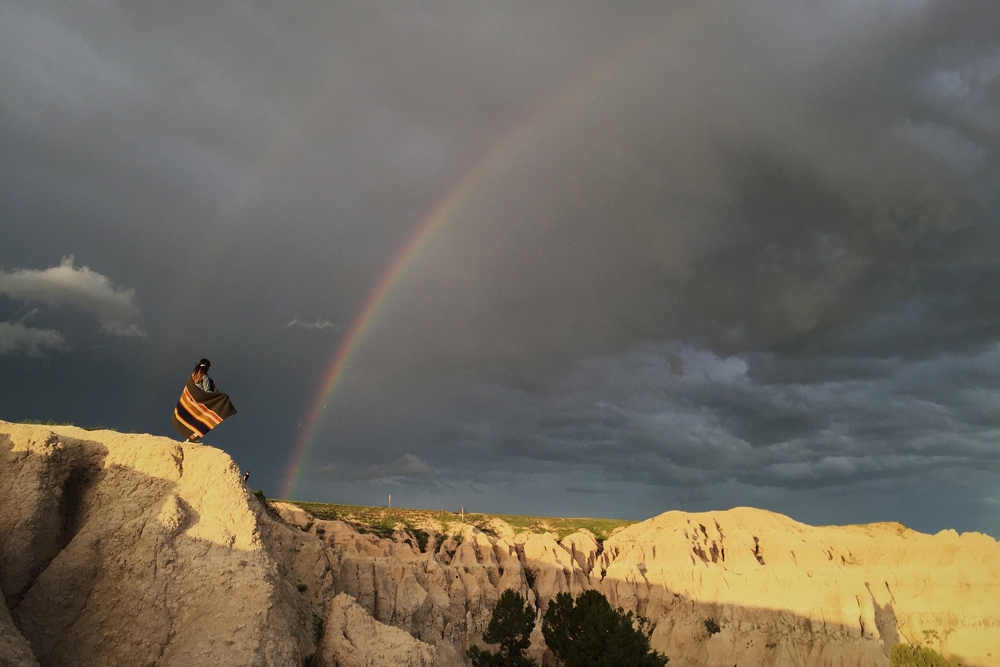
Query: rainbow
{"x": 570, "y": 98}
{"x": 345, "y": 352}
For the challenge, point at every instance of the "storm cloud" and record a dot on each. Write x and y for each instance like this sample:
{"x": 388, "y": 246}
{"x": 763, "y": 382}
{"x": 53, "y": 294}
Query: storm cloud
{"x": 20, "y": 339}
{"x": 684, "y": 255}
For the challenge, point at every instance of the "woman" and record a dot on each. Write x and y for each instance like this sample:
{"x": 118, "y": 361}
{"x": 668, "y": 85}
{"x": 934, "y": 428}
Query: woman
{"x": 201, "y": 407}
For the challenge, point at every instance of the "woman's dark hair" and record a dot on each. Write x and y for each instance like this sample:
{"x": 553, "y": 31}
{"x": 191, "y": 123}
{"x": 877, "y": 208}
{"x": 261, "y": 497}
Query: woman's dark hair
{"x": 200, "y": 370}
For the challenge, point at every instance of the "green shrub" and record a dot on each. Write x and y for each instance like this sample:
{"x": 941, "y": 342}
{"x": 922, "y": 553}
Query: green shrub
{"x": 421, "y": 537}
{"x": 589, "y": 633}
{"x": 317, "y": 636}
{"x": 510, "y": 628}
{"x": 317, "y": 629}
{"x": 902, "y": 655}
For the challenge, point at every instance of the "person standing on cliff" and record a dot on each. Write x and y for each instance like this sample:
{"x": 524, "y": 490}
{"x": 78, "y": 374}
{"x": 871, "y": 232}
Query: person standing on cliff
{"x": 201, "y": 407}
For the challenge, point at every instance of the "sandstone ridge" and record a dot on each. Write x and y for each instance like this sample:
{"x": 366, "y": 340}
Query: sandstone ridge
{"x": 138, "y": 550}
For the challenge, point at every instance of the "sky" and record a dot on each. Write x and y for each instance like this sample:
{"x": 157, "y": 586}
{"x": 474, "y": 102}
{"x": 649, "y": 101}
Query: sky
{"x": 560, "y": 259}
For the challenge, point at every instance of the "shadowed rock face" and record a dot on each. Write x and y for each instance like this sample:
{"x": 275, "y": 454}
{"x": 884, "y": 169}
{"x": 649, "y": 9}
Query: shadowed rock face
{"x": 137, "y": 550}
{"x": 14, "y": 649}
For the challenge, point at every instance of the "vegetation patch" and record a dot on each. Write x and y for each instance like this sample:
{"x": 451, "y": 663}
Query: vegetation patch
{"x": 902, "y": 655}
{"x": 382, "y": 520}
{"x": 510, "y": 629}
{"x": 588, "y": 631}
{"x": 317, "y": 629}
{"x": 421, "y": 536}
{"x": 38, "y": 422}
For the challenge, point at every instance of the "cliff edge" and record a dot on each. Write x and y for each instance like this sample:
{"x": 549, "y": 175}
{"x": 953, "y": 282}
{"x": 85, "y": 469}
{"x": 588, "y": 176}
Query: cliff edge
{"x": 137, "y": 550}
{"x": 121, "y": 549}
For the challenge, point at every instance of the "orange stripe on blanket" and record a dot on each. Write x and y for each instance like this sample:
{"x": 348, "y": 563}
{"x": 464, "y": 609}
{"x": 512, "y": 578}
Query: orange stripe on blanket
{"x": 207, "y": 425}
{"x": 194, "y": 429}
{"x": 205, "y": 421}
{"x": 199, "y": 411}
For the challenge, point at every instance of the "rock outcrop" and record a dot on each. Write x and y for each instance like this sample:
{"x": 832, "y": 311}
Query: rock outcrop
{"x": 352, "y": 638}
{"x": 783, "y": 592}
{"x": 743, "y": 586}
{"x": 135, "y": 550}
{"x": 14, "y": 648}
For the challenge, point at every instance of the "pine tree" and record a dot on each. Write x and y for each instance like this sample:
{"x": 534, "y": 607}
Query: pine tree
{"x": 590, "y": 633}
{"x": 510, "y": 628}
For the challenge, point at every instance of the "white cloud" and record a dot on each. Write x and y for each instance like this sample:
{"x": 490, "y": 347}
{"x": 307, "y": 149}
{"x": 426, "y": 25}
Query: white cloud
{"x": 19, "y": 339}
{"x": 82, "y": 288}
{"x": 318, "y": 324}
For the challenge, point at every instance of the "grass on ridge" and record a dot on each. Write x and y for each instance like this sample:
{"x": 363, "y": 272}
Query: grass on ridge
{"x": 38, "y": 422}
{"x": 380, "y": 520}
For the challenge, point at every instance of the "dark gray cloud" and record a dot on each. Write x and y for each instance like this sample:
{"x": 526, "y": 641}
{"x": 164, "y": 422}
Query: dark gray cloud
{"x": 407, "y": 465}
{"x": 17, "y": 338}
{"x": 636, "y": 416}
{"x": 696, "y": 254}
{"x": 770, "y": 196}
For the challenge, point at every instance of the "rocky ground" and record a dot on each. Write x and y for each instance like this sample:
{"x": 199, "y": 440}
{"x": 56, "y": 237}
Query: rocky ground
{"x": 137, "y": 550}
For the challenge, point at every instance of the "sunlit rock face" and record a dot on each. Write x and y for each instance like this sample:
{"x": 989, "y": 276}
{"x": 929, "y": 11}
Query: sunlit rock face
{"x": 745, "y": 586}
{"x": 136, "y": 550}
{"x": 783, "y": 593}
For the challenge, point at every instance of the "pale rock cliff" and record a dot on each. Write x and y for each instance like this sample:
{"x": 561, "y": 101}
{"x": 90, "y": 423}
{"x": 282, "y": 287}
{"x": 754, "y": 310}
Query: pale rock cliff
{"x": 352, "y": 638}
{"x": 784, "y": 593}
{"x": 134, "y": 550}
{"x": 780, "y": 592}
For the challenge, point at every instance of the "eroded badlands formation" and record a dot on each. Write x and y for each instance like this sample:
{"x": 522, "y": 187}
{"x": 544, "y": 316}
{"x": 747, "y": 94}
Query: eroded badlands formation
{"x": 138, "y": 550}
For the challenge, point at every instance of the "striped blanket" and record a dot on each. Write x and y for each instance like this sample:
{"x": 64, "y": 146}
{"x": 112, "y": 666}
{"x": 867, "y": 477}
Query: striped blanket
{"x": 198, "y": 412}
